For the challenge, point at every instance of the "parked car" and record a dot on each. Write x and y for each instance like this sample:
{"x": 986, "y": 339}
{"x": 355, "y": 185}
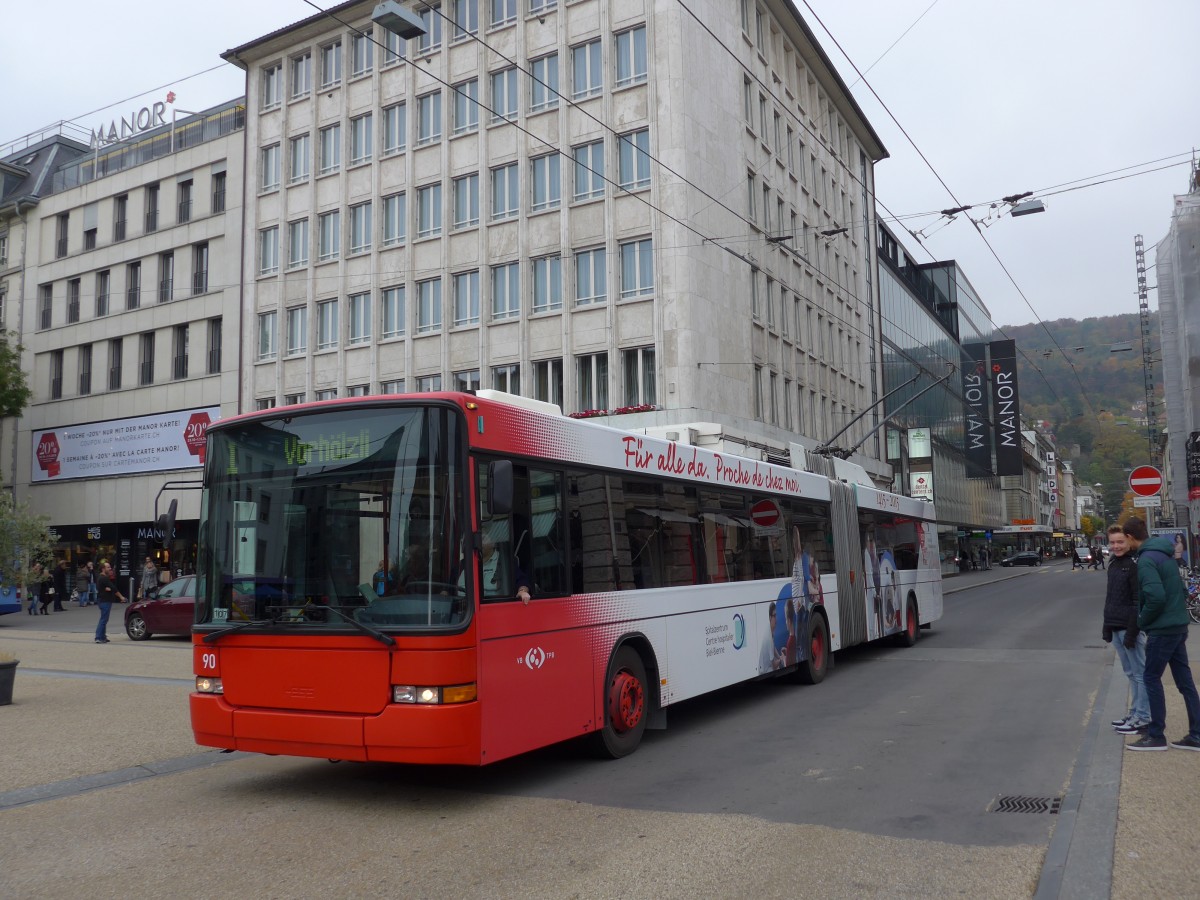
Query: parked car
{"x": 1024, "y": 558}
{"x": 171, "y": 612}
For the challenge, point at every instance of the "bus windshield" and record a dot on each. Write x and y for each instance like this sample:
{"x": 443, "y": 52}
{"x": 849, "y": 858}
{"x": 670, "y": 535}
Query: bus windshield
{"x": 361, "y": 510}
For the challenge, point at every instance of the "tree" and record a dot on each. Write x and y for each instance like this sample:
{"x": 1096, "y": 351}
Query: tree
{"x": 1090, "y": 526}
{"x": 24, "y": 540}
{"x": 14, "y": 390}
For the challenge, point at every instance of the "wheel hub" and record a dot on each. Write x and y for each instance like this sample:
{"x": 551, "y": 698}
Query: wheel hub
{"x": 626, "y": 702}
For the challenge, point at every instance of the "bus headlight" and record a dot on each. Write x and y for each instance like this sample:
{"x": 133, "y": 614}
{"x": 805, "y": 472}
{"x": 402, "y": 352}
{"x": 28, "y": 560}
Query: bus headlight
{"x": 432, "y": 696}
{"x": 206, "y": 685}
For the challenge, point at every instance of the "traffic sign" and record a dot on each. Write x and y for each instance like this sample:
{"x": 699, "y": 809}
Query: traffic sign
{"x": 1147, "y": 502}
{"x": 765, "y": 513}
{"x": 1145, "y": 481}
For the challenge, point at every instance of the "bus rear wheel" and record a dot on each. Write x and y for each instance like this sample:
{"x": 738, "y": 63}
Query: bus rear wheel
{"x": 625, "y": 705}
{"x": 912, "y": 625}
{"x": 813, "y": 667}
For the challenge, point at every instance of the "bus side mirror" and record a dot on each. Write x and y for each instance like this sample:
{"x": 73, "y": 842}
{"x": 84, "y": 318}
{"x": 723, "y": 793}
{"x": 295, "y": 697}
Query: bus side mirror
{"x": 500, "y": 487}
{"x": 165, "y": 525}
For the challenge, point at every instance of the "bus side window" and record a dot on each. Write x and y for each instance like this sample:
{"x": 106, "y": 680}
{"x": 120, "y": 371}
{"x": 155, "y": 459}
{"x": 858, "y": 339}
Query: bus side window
{"x": 546, "y": 520}
{"x": 593, "y": 556}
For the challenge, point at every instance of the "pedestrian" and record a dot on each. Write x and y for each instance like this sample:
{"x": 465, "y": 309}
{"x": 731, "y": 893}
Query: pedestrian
{"x": 1163, "y": 615}
{"x": 35, "y": 589}
{"x": 93, "y": 591}
{"x": 148, "y": 589}
{"x": 106, "y": 587}
{"x": 987, "y": 557}
{"x": 1076, "y": 562}
{"x": 59, "y": 576}
{"x": 1121, "y": 630}
{"x": 1095, "y": 563}
{"x": 46, "y": 591}
{"x": 82, "y": 576}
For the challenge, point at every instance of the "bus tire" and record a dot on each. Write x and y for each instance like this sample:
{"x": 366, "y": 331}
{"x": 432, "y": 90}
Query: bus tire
{"x": 626, "y": 705}
{"x": 815, "y": 664}
{"x": 912, "y": 624}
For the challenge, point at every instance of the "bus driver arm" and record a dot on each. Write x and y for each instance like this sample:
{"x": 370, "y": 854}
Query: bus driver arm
{"x": 523, "y": 594}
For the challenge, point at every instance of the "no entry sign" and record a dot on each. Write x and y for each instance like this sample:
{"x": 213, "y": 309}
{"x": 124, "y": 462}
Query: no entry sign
{"x": 1145, "y": 481}
{"x": 765, "y": 513}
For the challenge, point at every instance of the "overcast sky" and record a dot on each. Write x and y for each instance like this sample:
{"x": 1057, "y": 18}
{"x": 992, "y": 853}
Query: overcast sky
{"x": 1001, "y": 96}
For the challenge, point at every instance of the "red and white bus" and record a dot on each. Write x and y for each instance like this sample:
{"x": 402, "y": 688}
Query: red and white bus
{"x": 459, "y": 578}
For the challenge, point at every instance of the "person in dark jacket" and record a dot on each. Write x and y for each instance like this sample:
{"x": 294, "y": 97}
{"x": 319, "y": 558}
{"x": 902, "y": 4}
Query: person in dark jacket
{"x": 1121, "y": 630}
{"x": 1162, "y": 614}
{"x": 46, "y": 595}
{"x": 60, "y": 585}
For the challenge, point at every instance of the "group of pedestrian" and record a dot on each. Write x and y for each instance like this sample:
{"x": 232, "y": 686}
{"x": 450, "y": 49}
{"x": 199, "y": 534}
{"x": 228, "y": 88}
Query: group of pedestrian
{"x": 973, "y": 560}
{"x": 1146, "y": 618}
{"x": 47, "y": 586}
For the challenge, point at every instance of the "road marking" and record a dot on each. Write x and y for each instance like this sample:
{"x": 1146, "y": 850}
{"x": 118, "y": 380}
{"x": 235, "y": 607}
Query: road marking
{"x": 101, "y": 676}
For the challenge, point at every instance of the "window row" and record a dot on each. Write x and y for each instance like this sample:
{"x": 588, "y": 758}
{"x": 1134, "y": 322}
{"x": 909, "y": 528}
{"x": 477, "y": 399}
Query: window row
{"x": 104, "y": 362}
{"x": 137, "y": 290}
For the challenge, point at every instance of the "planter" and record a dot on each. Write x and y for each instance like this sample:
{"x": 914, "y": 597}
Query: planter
{"x": 8, "y": 673}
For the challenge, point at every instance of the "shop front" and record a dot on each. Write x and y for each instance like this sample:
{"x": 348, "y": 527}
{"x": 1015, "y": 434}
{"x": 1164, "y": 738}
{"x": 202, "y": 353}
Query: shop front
{"x": 126, "y": 545}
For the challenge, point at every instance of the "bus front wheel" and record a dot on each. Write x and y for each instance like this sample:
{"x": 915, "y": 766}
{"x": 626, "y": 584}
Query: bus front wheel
{"x": 815, "y": 664}
{"x": 626, "y": 698}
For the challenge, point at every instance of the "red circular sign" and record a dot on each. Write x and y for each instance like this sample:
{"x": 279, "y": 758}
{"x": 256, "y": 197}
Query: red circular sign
{"x": 1145, "y": 481}
{"x": 765, "y": 513}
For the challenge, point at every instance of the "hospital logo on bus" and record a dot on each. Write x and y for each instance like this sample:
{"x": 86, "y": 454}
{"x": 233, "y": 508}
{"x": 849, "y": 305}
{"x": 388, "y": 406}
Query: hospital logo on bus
{"x": 739, "y": 631}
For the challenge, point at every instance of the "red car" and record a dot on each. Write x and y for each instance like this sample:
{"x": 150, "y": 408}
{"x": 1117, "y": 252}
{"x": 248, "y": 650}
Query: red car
{"x": 172, "y": 612}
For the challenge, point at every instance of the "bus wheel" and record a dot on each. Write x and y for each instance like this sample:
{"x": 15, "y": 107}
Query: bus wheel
{"x": 625, "y": 700}
{"x": 912, "y": 625}
{"x": 813, "y": 667}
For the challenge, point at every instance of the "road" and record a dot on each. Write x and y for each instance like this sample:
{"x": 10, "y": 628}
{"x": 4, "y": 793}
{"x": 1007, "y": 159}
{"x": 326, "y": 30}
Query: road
{"x": 881, "y": 781}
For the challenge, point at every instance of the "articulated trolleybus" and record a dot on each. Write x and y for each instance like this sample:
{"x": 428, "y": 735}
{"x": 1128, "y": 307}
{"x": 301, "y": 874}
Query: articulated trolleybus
{"x": 459, "y": 578}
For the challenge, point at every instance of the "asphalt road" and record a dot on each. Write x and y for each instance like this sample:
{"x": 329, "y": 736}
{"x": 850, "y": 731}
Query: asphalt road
{"x": 879, "y": 782}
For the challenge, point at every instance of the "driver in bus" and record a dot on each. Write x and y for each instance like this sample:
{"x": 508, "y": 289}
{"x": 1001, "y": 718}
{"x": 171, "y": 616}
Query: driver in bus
{"x": 493, "y": 583}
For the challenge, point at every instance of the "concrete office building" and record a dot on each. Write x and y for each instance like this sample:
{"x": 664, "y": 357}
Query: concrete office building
{"x": 127, "y": 303}
{"x": 606, "y": 204}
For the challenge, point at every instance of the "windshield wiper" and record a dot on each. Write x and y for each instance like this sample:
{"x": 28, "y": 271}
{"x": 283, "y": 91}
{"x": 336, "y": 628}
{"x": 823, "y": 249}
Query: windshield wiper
{"x": 365, "y": 629}
{"x": 215, "y": 636}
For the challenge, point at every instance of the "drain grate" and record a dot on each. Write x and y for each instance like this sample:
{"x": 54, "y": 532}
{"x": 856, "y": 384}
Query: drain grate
{"x": 1038, "y": 805}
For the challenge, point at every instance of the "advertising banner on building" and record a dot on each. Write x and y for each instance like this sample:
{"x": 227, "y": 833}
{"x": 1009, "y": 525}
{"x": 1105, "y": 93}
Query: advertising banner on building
{"x": 920, "y": 443}
{"x": 1006, "y": 407}
{"x": 977, "y": 425}
{"x": 156, "y": 443}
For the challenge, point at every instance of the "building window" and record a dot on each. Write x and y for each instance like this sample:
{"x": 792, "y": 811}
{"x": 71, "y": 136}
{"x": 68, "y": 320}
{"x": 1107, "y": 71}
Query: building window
{"x": 102, "y": 283}
{"x": 394, "y": 48}
{"x": 758, "y": 393}
{"x": 360, "y": 139}
{"x": 466, "y": 381}
{"x": 631, "y": 56}
{"x": 213, "y": 354}
{"x": 589, "y": 171}
{"x": 428, "y": 383}
{"x": 547, "y": 283}
{"x": 637, "y": 268}
{"x": 587, "y": 73}
{"x": 431, "y": 18}
{"x": 591, "y": 282}
{"x": 264, "y": 403}
{"x": 89, "y": 239}
{"x": 507, "y": 379}
{"x": 362, "y": 54}
{"x": 133, "y": 285}
{"x": 120, "y": 212}
{"x": 504, "y": 12}
{"x": 45, "y": 306}
{"x": 298, "y": 243}
{"x": 543, "y": 83}
{"x": 73, "y": 300}
{"x": 146, "y": 358}
{"x": 466, "y": 18}
{"x": 548, "y": 381}
{"x": 269, "y": 168}
{"x": 466, "y": 201}
{"x": 179, "y": 358}
{"x": 358, "y": 390}
{"x": 634, "y": 160}
{"x": 294, "y": 399}
{"x": 297, "y": 331}
{"x": 268, "y": 250}
{"x": 301, "y": 75}
{"x": 393, "y": 311}
{"x": 393, "y": 386}
{"x": 429, "y": 118}
{"x": 360, "y": 318}
{"x": 268, "y": 327}
{"x": 327, "y": 325}
{"x": 466, "y": 106}
{"x": 360, "y": 227}
{"x": 115, "y": 347}
{"x": 331, "y": 148}
{"x": 506, "y": 196}
{"x": 329, "y": 235}
{"x": 331, "y": 64}
{"x": 85, "y": 370}
{"x": 166, "y": 277}
{"x": 395, "y": 218}
{"x": 56, "y": 374}
{"x": 184, "y": 195}
{"x": 429, "y": 305}
{"x": 466, "y": 298}
{"x": 299, "y": 153}
{"x": 151, "y": 208}
{"x": 504, "y": 95}
{"x": 272, "y": 86}
{"x": 592, "y": 380}
{"x": 218, "y": 192}
{"x": 639, "y": 376}
{"x": 395, "y": 128}
{"x": 538, "y": 7}
{"x": 547, "y": 182}
{"x": 506, "y": 291}
{"x": 429, "y": 210}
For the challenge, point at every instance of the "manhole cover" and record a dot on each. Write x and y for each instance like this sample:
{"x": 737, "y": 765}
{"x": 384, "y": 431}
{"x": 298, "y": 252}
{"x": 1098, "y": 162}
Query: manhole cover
{"x": 1037, "y": 805}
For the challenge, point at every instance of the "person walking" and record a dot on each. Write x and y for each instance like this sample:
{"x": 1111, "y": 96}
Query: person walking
{"x": 106, "y": 587}
{"x": 82, "y": 576}
{"x": 45, "y": 589}
{"x": 1076, "y": 562}
{"x": 1163, "y": 615}
{"x": 93, "y": 591}
{"x": 35, "y": 589}
{"x": 148, "y": 589}
{"x": 59, "y": 576}
{"x": 1121, "y": 630}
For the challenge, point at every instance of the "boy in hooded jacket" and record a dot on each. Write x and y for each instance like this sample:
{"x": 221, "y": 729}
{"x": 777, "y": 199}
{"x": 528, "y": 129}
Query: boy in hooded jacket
{"x": 1121, "y": 630}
